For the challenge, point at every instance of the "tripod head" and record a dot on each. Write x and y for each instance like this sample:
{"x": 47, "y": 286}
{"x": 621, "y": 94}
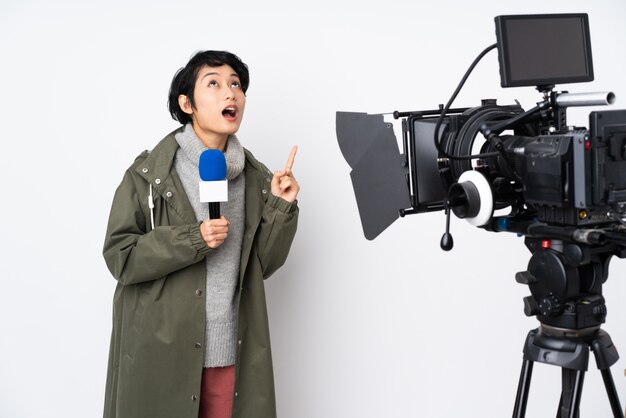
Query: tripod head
{"x": 565, "y": 277}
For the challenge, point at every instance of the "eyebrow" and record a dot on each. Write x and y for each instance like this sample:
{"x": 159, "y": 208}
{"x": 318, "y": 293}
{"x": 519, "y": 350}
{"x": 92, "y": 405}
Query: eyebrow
{"x": 216, "y": 73}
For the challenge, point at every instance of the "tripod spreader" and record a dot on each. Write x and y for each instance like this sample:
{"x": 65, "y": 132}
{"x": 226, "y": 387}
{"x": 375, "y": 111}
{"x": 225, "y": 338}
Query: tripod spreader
{"x": 569, "y": 350}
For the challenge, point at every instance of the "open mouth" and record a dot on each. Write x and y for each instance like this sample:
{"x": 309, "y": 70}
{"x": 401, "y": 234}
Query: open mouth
{"x": 230, "y": 112}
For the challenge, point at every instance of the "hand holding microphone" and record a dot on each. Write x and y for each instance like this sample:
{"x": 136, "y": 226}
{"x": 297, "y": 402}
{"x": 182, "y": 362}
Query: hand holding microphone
{"x": 214, "y": 231}
{"x": 284, "y": 184}
{"x": 213, "y": 188}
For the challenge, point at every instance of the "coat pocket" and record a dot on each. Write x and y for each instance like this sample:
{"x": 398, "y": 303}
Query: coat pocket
{"x": 134, "y": 307}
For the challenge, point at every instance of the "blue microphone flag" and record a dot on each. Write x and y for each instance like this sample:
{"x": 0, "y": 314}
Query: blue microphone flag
{"x": 213, "y": 186}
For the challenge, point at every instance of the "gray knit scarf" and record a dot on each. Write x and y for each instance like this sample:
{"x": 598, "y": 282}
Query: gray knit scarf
{"x": 222, "y": 264}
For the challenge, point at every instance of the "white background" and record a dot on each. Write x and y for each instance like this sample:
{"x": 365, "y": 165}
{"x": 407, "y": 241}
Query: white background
{"x": 389, "y": 328}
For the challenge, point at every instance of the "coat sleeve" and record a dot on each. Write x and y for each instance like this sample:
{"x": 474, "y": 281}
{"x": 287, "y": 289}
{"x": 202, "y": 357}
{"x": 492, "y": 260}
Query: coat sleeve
{"x": 279, "y": 222}
{"x": 134, "y": 255}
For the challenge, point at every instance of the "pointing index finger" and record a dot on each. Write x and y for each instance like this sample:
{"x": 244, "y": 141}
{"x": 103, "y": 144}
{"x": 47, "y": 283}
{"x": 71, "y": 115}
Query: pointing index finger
{"x": 292, "y": 157}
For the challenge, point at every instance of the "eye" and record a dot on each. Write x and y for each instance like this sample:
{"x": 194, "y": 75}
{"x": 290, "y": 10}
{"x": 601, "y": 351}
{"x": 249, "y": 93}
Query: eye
{"x": 212, "y": 83}
{"x": 235, "y": 84}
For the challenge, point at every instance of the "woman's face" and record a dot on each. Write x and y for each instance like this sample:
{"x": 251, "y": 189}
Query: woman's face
{"x": 220, "y": 102}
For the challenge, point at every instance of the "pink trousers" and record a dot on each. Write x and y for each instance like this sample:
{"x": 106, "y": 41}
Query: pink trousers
{"x": 216, "y": 394}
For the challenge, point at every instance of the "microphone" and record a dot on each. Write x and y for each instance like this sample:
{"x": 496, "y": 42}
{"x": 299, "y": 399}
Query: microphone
{"x": 213, "y": 185}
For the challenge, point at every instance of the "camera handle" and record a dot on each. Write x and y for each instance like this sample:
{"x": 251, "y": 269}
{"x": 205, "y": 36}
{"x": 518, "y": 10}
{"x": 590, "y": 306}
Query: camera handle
{"x": 555, "y": 100}
{"x": 447, "y": 242}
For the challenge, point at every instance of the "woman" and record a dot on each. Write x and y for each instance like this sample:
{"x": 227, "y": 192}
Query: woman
{"x": 190, "y": 332}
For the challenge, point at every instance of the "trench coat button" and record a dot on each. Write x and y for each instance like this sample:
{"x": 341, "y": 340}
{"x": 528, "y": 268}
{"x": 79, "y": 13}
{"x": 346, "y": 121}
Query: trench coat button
{"x": 194, "y": 398}
{"x": 168, "y": 194}
{"x": 236, "y": 394}
{"x": 267, "y": 180}
{"x": 264, "y": 191}
{"x": 198, "y": 345}
{"x": 198, "y": 292}
{"x": 157, "y": 181}
{"x": 239, "y": 342}
{"x": 249, "y": 236}
{"x": 144, "y": 170}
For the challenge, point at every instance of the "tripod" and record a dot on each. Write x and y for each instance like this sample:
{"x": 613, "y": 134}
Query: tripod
{"x": 566, "y": 286}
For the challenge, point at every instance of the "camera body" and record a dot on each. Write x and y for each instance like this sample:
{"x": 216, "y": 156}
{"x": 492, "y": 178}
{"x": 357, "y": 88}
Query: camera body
{"x": 576, "y": 176}
{"x": 547, "y": 171}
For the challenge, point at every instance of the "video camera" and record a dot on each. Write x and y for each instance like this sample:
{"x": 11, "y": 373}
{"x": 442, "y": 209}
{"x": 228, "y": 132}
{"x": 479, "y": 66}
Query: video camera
{"x": 562, "y": 187}
{"x": 475, "y": 161}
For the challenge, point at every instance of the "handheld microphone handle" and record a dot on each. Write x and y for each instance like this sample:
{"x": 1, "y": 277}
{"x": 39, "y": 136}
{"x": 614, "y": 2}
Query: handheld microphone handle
{"x": 214, "y": 210}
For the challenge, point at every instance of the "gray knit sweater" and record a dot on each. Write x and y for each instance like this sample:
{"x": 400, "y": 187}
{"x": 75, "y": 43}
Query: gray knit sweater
{"x": 222, "y": 264}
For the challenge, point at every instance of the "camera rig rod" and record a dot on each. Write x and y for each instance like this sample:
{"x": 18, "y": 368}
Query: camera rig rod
{"x": 534, "y": 229}
{"x": 397, "y": 114}
{"x": 584, "y": 99}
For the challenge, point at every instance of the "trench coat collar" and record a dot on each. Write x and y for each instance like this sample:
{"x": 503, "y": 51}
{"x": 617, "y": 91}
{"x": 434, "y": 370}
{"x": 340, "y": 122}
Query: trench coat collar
{"x": 158, "y": 162}
{"x": 157, "y": 169}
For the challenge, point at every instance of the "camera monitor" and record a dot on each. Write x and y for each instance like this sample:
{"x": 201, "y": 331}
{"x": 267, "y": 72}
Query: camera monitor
{"x": 543, "y": 50}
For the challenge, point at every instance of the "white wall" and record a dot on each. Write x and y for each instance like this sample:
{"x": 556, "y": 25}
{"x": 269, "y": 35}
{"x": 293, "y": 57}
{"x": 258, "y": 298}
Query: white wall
{"x": 389, "y": 328}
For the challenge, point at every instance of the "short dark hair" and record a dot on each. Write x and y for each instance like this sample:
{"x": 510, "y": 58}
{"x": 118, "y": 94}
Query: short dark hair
{"x": 184, "y": 80}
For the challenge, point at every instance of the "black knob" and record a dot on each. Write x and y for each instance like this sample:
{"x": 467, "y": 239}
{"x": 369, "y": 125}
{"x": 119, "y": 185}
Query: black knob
{"x": 446, "y": 242}
{"x": 524, "y": 277}
{"x": 599, "y": 311}
{"x": 550, "y": 306}
{"x": 530, "y": 306}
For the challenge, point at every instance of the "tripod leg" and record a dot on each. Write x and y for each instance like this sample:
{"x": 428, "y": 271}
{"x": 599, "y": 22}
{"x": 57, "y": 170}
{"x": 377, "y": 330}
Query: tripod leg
{"x": 572, "y": 388}
{"x": 606, "y": 355}
{"x": 522, "y": 389}
{"x": 558, "y": 412}
{"x": 616, "y": 407}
